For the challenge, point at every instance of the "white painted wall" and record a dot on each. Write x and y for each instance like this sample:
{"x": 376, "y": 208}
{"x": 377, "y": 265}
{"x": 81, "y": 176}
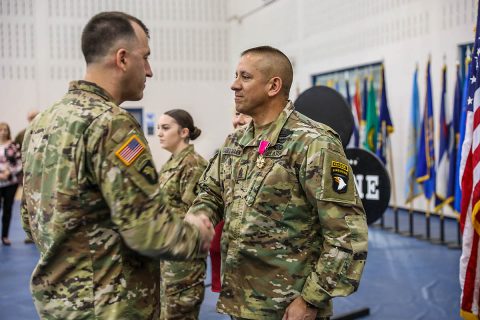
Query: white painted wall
{"x": 40, "y": 53}
{"x": 325, "y": 35}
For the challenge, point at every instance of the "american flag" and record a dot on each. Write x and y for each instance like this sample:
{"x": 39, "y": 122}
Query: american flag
{"x": 130, "y": 151}
{"x": 469, "y": 180}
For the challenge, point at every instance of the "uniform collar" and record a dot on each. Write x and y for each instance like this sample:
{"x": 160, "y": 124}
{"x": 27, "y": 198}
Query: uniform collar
{"x": 174, "y": 161}
{"x": 273, "y": 132}
{"x": 83, "y": 85}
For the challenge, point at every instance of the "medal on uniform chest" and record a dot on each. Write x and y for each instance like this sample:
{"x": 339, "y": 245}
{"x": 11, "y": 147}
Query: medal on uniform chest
{"x": 262, "y": 147}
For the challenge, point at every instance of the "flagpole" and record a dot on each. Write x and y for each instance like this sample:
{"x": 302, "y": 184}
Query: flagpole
{"x": 427, "y": 220}
{"x": 394, "y": 189}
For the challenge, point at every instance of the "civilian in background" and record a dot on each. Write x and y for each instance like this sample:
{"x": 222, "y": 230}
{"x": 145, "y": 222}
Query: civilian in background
{"x": 10, "y": 167}
{"x": 182, "y": 282}
{"x": 238, "y": 120}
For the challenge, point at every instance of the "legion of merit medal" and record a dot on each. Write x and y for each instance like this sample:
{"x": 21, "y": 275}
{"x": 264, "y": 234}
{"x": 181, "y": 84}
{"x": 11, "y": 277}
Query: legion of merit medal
{"x": 262, "y": 147}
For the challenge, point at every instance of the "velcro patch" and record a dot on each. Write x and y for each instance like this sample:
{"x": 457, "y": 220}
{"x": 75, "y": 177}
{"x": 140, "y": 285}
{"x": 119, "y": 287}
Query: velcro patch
{"x": 339, "y": 172}
{"x": 130, "y": 150}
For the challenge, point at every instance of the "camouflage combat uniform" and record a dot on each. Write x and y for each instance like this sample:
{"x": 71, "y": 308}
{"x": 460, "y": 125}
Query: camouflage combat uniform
{"x": 294, "y": 224}
{"x": 93, "y": 206}
{"x": 182, "y": 287}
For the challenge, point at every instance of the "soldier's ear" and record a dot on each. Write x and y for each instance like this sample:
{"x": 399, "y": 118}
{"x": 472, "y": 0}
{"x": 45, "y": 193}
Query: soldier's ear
{"x": 121, "y": 59}
{"x": 274, "y": 86}
{"x": 184, "y": 133}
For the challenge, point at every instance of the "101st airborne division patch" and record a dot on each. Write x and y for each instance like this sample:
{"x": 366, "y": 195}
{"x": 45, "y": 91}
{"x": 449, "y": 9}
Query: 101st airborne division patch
{"x": 339, "y": 172}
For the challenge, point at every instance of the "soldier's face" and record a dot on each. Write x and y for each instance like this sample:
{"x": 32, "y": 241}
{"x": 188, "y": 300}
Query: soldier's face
{"x": 138, "y": 66}
{"x": 170, "y": 134}
{"x": 250, "y": 85}
{"x": 240, "y": 119}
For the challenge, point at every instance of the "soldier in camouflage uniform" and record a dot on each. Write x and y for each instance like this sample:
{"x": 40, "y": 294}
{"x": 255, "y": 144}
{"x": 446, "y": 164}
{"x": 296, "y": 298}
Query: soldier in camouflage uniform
{"x": 182, "y": 287}
{"x": 295, "y": 232}
{"x": 91, "y": 202}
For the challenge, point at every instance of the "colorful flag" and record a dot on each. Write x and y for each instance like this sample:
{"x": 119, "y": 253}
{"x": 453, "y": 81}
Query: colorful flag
{"x": 425, "y": 171}
{"x": 470, "y": 182}
{"x": 454, "y": 136}
{"x": 385, "y": 125}
{"x": 364, "y": 111}
{"x": 371, "y": 124}
{"x": 412, "y": 188}
{"x": 355, "y": 136}
{"x": 357, "y": 110}
{"x": 457, "y": 203}
{"x": 443, "y": 166}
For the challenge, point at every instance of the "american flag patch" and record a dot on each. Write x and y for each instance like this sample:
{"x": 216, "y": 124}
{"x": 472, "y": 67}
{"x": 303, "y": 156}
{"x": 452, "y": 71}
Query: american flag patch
{"x": 130, "y": 150}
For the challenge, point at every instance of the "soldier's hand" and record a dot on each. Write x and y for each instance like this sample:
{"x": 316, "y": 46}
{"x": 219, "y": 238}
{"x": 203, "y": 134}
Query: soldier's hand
{"x": 299, "y": 310}
{"x": 205, "y": 227}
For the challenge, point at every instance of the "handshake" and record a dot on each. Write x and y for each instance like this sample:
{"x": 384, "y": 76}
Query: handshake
{"x": 204, "y": 226}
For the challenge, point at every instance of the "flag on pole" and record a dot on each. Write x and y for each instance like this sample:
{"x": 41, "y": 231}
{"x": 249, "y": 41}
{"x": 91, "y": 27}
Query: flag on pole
{"x": 463, "y": 122}
{"x": 441, "y": 197}
{"x": 371, "y": 124}
{"x": 357, "y": 110}
{"x": 355, "y": 135}
{"x": 364, "y": 111}
{"x": 385, "y": 125}
{"x": 454, "y": 136}
{"x": 425, "y": 171}
{"x": 470, "y": 182}
{"x": 412, "y": 188}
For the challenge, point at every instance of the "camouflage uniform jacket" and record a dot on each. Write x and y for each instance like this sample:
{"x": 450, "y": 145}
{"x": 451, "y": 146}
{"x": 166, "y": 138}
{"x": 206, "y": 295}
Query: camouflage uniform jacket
{"x": 178, "y": 179}
{"x": 93, "y": 206}
{"x": 294, "y": 223}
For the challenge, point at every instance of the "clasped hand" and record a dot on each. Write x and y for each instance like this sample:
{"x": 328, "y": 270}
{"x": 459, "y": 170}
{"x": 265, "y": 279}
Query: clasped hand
{"x": 205, "y": 227}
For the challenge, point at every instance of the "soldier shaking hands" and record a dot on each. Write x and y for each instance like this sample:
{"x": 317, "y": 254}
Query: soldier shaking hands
{"x": 92, "y": 202}
{"x": 295, "y": 233}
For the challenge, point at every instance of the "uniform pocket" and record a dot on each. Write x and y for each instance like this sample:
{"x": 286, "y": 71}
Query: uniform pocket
{"x": 270, "y": 190}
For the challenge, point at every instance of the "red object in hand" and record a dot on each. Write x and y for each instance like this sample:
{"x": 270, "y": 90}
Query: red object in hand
{"x": 215, "y": 257}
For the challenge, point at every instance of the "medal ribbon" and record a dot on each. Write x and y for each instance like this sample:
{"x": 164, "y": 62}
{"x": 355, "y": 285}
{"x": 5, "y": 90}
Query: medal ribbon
{"x": 262, "y": 147}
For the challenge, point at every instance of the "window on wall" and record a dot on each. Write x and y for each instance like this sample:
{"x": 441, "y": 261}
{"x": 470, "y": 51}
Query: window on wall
{"x": 137, "y": 113}
{"x": 337, "y": 79}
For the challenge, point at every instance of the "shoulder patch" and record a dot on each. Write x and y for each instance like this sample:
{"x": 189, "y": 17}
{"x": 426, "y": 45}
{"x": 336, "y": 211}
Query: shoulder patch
{"x": 130, "y": 150}
{"x": 339, "y": 172}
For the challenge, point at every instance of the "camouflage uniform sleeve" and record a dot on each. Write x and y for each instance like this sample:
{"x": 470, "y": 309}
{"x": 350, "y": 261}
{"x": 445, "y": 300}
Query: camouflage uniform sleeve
{"x": 130, "y": 187}
{"x": 342, "y": 221}
{"x": 25, "y": 217}
{"x": 209, "y": 199}
{"x": 189, "y": 182}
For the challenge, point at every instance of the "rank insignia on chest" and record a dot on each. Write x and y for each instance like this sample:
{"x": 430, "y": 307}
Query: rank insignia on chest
{"x": 130, "y": 150}
{"x": 262, "y": 147}
{"x": 339, "y": 173}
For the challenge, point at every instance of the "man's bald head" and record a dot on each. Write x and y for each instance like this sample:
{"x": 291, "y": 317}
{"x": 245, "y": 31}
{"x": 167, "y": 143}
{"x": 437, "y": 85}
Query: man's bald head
{"x": 32, "y": 114}
{"x": 274, "y": 63}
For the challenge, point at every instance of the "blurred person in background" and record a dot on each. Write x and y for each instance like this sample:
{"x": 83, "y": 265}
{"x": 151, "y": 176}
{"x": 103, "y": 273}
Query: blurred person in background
{"x": 182, "y": 282}
{"x": 10, "y": 168}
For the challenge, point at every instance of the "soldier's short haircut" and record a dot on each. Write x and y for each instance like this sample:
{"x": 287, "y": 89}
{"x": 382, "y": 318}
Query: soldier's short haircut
{"x": 279, "y": 65}
{"x": 104, "y": 30}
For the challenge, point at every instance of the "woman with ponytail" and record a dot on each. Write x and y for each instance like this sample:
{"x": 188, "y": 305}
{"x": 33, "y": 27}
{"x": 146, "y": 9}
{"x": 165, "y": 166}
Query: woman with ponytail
{"x": 182, "y": 282}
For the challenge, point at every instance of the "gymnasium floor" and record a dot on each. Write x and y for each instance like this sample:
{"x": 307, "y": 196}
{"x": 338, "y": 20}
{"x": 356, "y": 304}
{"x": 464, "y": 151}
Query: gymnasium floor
{"x": 405, "y": 278}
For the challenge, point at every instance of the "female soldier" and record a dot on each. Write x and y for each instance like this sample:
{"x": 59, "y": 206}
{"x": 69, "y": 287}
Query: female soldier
{"x": 182, "y": 287}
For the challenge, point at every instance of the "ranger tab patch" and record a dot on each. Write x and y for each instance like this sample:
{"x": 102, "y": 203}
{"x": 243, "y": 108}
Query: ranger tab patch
{"x": 339, "y": 172}
{"x": 130, "y": 150}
